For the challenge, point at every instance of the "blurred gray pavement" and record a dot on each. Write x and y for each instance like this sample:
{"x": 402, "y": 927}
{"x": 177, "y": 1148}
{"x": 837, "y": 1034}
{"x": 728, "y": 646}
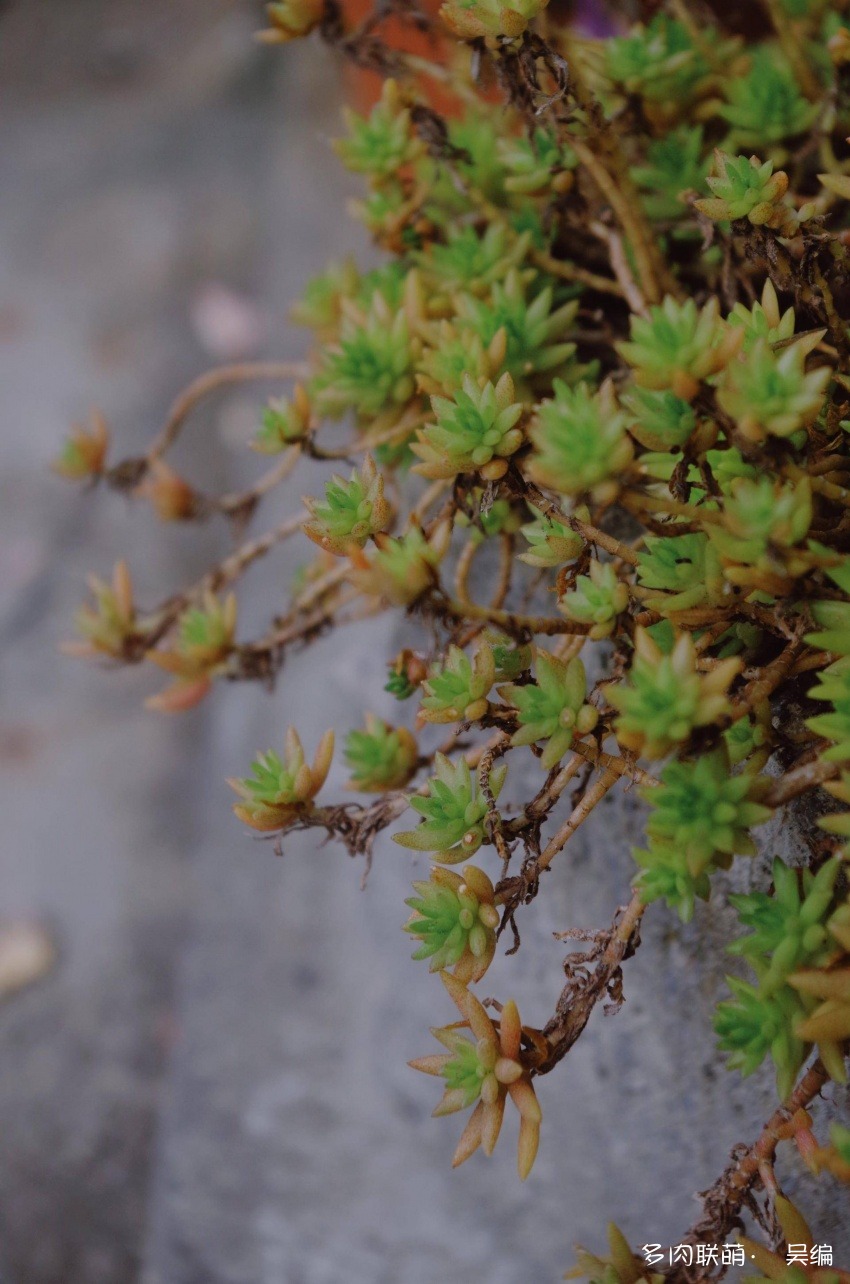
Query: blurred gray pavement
{"x": 211, "y": 1087}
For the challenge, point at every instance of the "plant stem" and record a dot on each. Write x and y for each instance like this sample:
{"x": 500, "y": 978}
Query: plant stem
{"x": 212, "y": 381}
{"x": 723, "y": 1201}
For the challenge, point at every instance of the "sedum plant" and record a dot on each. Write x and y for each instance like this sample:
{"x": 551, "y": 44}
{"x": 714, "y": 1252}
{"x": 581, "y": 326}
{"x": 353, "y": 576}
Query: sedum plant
{"x": 678, "y": 346}
{"x": 457, "y": 690}
{"x": 279, "y": 790}
{"x": 285, "y": 421}
{"x": 770, "y": 393}
{"x": 204, "y": 640}
{"x": 453, "y": 814}
{"x": 352, "y": 513}
{"x": 746, "y": 188}
{"x": 550, "y": 543}
{"x": 597, "y": 599}
{"x": 666, "y": 698}
{"x": 684, "y": 569}
{"x": 380, "y": 757}
{"x": 674, "y": 165}
{"x": 455, "y": 917}
{"x": 484, "y": 1074}
{"x": 475, "y": 432}
{"x": 108, "y": 626}
{"x": 596, "y": 389}
{"x": 702, "y": 809}
{"x": 580, "y": 441}
{"x": 83, "y": 455}
{"x": 766, "y": 107}
{"x": 553, "y": 708}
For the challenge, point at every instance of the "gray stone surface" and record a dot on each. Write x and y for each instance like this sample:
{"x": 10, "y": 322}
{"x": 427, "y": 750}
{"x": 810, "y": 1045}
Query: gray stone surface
{"x": 211, "y": 1088}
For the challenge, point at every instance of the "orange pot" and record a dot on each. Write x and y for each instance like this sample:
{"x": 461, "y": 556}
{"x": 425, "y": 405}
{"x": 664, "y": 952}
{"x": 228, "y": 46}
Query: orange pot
{"x": 365, "y": 86}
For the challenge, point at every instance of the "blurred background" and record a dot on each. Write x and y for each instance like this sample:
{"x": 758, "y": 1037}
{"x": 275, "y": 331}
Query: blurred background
{"x": 208, "y": 1083}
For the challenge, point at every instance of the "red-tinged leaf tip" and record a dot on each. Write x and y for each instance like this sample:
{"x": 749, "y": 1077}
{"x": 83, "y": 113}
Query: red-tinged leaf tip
{"x": 529, "y": 1141}
{"x": 469, "y": 1007}
{"x": 493, "y": 1114}
{"x": 525, "y": 1100}
{"x": 180, "y": 696}
{"x": 510, "y": 1030}
{"x": 429, "y": 1065}
{"x": 470, "y": 1138}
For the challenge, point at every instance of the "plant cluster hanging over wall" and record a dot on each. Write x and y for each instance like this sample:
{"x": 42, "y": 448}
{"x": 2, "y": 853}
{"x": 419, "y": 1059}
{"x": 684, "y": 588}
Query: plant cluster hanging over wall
{"x": 607, "y": 354}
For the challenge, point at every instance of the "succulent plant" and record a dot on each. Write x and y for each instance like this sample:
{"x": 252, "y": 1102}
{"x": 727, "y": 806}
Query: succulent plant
{"x": 371, "y": 369}
{"x": 833, "y": 687}
{"x": 619, "y": 1266}
{"x": 383, "y": 142}
{"x": 354, "y": 511}
{"x": 291, "y": 19}
{"x": 320, "y": 306}
{"x": 454, "y": 812}
{"x": 752, "y": 1025}
{"x": 665, "y": 698}
{"x": 510, "y": 657}
{"x": 746, "y": 736}
{"x": 825, "y": 1020}
{"x": 169, "y": 494}
{"x": 205, "y": 638}
{"x": 611, "y": 373}
{"x": 83, "y": 454}
{"x": 685, "y": 568}
{"x": 400, "y": 570}
{"x": 763, "y": 521}
{"x": 674, "y": 164}
{"x": 580, "y": 441}
{"x": 550, "y": 543}
{"x": 659, "y": 420}
{"x": 764, "y": 320}
{"x": 553, "y": 708}
{"x": 835, "y": 1158}
{"x": 110, "y": 624}
{"x": 536, "y": 163}
{"x": 284, "y": 422}
{"x": 597, "y": 599}
{"x": 473, "y": 19}
{"x": 667, "y": 874}
{"x": 770, "y": 392}
{"x": 660, "y": 62}
{"x": 383, "y": 286}
{"x": 700, "y": 809}
{"x": 405, "y": 674}
{"x": 469, "y": 260}
{"x": 839, "y": 822}
{"x": 380, "y": 757}
{"x": 457, "y": 690}
{"x": 678, "y": 346}
{"x": 789, "y": 926}
{"x": 765, "y": 106}
{"x": 745, "y": 187}
{"x": 476, "y": 136}
{"x": 452, "y": 354}
{"x": 484, "y": 1074}
{"x": 833, "y": 616}
{"x": 488, "y": 520}
{"x": 279, "y": 790}
{"x": 794, "y": 1229}
{"x": 535, "y": 330}
{"x": 799, "y": 998}
{"x": 475, "y": 432}
{"x": 455, "y": 917}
